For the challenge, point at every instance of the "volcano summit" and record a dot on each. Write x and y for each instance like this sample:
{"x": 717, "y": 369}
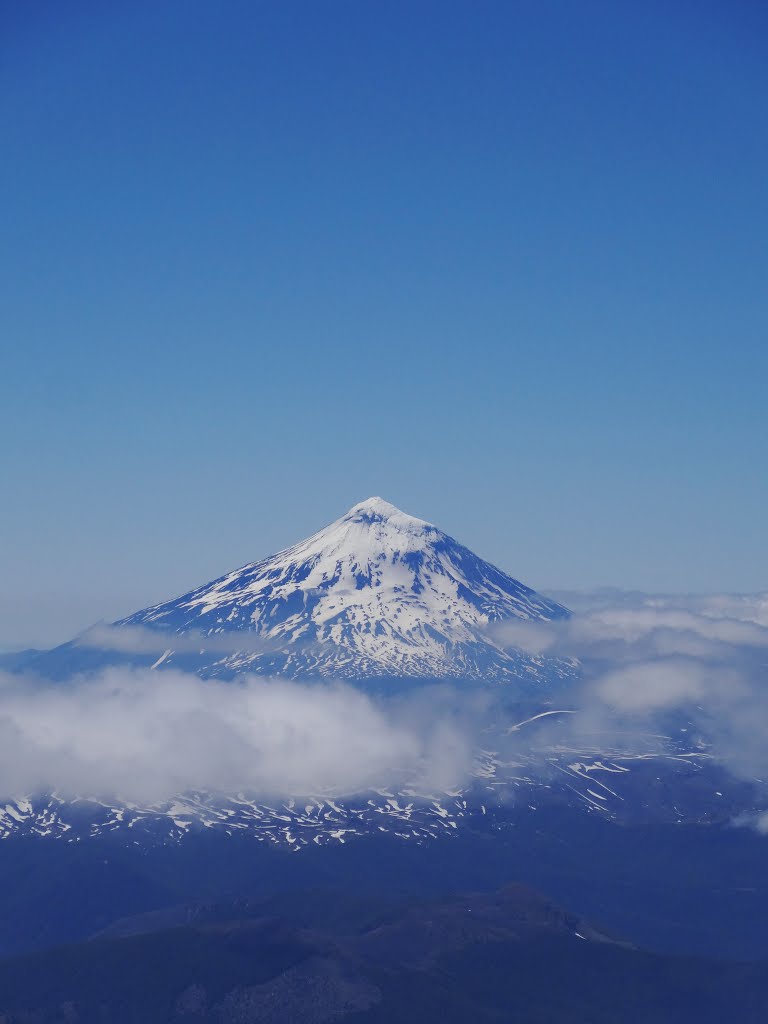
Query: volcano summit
{"x": 377, "y": 594}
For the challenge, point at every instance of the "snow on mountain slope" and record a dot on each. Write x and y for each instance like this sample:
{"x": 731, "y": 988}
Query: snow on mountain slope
{"x": 378, "y": 593}
{"x": 686, "y": 786}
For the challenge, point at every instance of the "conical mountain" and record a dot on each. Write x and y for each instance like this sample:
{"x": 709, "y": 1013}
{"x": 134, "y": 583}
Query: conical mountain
{"x": 378, "y": 593}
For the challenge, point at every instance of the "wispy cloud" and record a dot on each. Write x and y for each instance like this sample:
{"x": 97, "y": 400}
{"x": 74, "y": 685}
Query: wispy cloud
{"x": 702, "y": 660}
{"x": 142, "y": 640}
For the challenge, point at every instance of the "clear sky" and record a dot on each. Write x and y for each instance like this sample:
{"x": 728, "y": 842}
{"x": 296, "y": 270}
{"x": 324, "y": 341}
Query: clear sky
{"x": 503, "y": 264}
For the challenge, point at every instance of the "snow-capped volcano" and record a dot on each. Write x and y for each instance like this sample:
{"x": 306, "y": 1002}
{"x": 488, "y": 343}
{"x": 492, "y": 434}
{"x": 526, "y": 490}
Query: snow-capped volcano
{"x": 376, "y": 593}
{"x": 382, "y": 595}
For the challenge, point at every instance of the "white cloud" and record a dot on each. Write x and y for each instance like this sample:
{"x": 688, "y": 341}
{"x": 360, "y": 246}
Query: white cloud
{"x": 644, "y": 658}
{"x": 758, "y": 821}
{"x": 146, "y": 736}
{"x": 651, "y": 686}
{"x": 142, "y": 640}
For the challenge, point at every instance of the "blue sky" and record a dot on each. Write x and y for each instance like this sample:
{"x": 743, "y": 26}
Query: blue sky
{"x": 501, "y": 263}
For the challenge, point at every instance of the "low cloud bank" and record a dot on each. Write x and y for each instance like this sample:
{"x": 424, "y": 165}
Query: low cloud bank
{"x": 651, "y": 660}
{"x": 652, "y": 666}
{"x": 741, "y": 607}
{"x": 146, "y": 736}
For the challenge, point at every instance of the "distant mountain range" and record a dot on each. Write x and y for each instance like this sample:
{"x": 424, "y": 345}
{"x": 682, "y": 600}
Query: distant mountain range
{"x": 484, "y": 957}
{"x": 377, "y": 594}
